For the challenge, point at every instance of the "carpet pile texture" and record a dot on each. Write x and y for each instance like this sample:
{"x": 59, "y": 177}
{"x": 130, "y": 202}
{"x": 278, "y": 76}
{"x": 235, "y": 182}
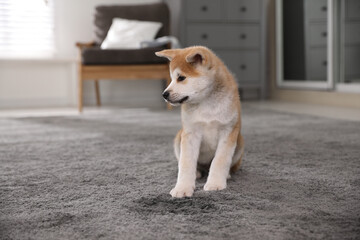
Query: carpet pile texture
{"x": 108, "y": 176}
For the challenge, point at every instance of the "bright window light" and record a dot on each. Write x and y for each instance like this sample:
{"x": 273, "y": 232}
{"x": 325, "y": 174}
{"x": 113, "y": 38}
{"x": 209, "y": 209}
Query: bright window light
{"x": 26, "y": 28}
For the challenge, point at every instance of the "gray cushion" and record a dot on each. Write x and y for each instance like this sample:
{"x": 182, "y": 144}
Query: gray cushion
{"x": 98, "y": 56}
{"x": 156, "y": 12}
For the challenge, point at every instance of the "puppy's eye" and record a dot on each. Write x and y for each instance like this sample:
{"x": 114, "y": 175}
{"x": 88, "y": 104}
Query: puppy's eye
{"x": 181, "y": 78}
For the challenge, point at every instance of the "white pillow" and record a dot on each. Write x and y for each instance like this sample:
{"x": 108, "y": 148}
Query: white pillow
{"x": 127, "y": 34}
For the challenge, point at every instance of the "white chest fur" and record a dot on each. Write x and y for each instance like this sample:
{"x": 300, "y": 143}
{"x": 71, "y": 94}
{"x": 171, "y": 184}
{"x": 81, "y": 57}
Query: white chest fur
{"x": 209, "y": 120}
{"x": 209, "y": 142}
{"x": 217, "y": 110}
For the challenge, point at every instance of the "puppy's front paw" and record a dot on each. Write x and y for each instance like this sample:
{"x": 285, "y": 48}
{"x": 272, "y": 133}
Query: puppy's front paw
{"x": 180, "y": 191}
{"x": 215, "y": 185}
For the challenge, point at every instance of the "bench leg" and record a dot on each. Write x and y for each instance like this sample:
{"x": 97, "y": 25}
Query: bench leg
{"x": 80, "y": 89}
{"x": 97, "y": 92}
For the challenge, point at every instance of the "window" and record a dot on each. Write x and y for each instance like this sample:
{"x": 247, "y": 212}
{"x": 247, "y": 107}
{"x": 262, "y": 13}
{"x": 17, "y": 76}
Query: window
{"x": 26, "y": 28}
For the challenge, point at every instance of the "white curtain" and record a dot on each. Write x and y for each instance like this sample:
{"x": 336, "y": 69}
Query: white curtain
{"x": 26, "y": 28}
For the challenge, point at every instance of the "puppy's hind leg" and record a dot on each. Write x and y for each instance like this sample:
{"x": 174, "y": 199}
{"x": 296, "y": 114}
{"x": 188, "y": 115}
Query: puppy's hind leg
{"x": 238, "y": 154}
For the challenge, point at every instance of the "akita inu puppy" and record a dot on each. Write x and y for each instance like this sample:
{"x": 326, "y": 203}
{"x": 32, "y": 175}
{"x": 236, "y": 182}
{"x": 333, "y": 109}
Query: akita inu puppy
{"x": 210, "y": 138}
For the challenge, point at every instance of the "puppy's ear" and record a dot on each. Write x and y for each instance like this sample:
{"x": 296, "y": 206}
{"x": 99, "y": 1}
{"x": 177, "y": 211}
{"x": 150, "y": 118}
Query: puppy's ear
{"x": 168, "y": 53}
{"x": 197, "y": 57}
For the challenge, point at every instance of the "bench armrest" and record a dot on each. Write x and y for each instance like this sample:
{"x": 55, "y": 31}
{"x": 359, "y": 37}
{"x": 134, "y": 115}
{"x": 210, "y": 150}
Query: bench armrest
{"x": 81, "y": 45}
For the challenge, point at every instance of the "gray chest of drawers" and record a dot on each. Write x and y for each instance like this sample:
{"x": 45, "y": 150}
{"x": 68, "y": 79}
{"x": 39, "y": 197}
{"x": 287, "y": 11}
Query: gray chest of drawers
{"x": 235, "y": 31}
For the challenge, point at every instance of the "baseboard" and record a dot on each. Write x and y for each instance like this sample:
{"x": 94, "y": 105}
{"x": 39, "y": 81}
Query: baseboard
{"x": 35, "y": 103}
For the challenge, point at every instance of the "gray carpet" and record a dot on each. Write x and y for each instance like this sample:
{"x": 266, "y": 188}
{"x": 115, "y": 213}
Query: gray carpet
{"x": 108, "y": 176}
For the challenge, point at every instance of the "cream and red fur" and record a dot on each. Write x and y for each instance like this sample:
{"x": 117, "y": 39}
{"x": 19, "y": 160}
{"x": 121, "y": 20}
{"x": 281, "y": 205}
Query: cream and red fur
{"x": 211, "y": 118}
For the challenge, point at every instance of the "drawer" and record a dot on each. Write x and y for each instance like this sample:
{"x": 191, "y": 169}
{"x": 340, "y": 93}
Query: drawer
{"x": 243, "y": 9}
{"x": 352, "y": 9}
{"x": 352, "y": 60}
{"x": 244, "y": 65}
{"x": 317, "y": 64}
{"x": 205, "y": 34}
{"x": 223, "y": 36}
{"x": 316, "y": 9}
{"x": 243, "y": 36}
{"x": 204, "y": 9}
{"x": 318, "y": 34}
{"x": 352, "y": 33}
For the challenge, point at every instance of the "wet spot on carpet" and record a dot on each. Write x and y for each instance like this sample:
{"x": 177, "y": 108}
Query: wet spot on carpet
{"x": 164, "y": 204}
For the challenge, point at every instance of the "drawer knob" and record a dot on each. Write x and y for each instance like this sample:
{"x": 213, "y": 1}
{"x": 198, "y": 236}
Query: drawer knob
{"x": 324, "y": 63}
{"x": 324, "y": 34}
{"x": 204, "y": 36}
{"x": 242, "y": 66}
{"x": 243, "y": 36}
{"x": 204, "y": 8}
{"x": 324, "y": 8}
{"x": 243, "y": 9}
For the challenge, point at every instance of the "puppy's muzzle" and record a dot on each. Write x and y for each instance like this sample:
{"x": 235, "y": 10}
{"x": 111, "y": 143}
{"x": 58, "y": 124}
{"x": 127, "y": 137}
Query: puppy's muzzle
{"x": 175, "y": 98}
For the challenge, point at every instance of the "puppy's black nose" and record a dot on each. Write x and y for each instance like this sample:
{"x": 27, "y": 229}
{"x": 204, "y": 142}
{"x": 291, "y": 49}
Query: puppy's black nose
{"x": 166, "y": 95}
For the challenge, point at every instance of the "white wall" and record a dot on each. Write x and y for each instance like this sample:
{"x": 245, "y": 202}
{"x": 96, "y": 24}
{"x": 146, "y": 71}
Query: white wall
{"x": 37, "y": 83}
{"x": 42, "y": 83}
